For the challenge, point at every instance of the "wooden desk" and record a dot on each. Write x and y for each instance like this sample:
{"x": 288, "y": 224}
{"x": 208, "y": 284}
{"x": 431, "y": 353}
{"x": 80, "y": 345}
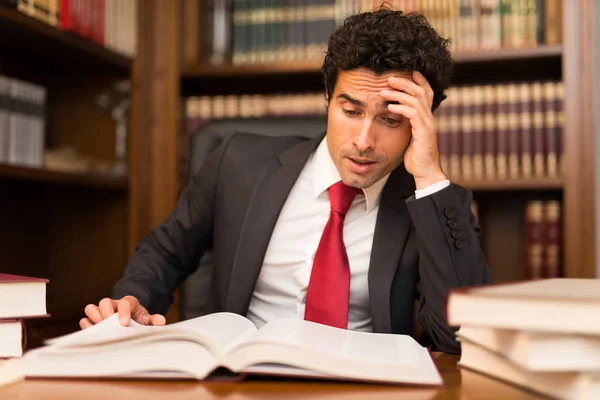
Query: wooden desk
{"x": 460, "y": 385}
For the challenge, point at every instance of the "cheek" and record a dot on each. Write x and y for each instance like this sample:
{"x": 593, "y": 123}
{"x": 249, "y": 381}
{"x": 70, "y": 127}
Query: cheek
{"x": 395, "y": 144}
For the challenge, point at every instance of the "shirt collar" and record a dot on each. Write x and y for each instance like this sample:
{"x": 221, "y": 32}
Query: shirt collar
{"x": 325, "y": 174}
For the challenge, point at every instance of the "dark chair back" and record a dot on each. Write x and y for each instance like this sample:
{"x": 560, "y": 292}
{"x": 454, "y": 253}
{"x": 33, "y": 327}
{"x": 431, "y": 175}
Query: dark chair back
{"x": 195, "y": 290}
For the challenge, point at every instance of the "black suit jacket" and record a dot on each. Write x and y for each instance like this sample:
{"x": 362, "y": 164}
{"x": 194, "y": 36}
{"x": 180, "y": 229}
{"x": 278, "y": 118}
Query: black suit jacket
{"x": 421, "y": 248}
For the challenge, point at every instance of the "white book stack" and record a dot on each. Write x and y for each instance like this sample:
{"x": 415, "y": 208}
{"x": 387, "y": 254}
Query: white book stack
{"x": 541, "y": 335}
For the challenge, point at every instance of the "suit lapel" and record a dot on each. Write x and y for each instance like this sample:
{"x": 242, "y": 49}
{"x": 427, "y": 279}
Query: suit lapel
{"x": 268, "y": 198}
{"x": 391, "y": 229}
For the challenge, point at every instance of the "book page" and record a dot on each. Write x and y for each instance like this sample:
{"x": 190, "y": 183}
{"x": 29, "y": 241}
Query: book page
{"x": 340, "y": 352}
{"x": 558, "y": 288}
{"x": 219, "y": 331}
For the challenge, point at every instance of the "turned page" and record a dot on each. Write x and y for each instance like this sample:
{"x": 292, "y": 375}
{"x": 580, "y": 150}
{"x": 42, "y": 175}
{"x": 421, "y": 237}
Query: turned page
{"x": 220, "y": 332}
{"x": 338, "y": 352}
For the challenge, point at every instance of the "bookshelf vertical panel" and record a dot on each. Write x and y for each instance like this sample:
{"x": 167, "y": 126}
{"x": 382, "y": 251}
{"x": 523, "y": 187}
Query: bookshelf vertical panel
{"x": 155, "y": 118}
{"x": 579, "y": 78}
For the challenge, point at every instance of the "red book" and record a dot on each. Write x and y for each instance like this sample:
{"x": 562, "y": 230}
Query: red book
{"x": 67, "y": 18}
{"x": 22, "y": 296}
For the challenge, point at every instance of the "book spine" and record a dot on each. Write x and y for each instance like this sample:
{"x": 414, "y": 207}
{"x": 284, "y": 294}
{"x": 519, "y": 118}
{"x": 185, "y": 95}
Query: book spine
{"x": 531, "y": 35}
{"x": 466, "y": 128}
{"x": 553, "y": 21}
{"x": 478, "y": 133}
{"x": 526, "y": 130}
{"x": 502, "y": 133}
{"x": 560, "y": 122}
{"x": 540, "y": 10}
{"x": 4, "y": 118}
{"x": 537, "y": 104}
{"x": 514, "y": 132}
{"x": 454, "y": 133}
{"x": 551, "y": 129}
{"x": 534, "y": 238}
{"x": 490, "y": 130}
{"x": 490, "y": 25}
{"x": 552, "y": 239}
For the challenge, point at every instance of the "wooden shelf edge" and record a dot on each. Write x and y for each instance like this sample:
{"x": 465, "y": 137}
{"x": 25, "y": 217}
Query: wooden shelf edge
{"x": 276, "y": 68}
{"x": 543, "y": 51}
{"x": 314, "y": 66}
{"x": 63, "y": 178}
{"x": 512, "y": 184}
{"x": 17, "y": 21}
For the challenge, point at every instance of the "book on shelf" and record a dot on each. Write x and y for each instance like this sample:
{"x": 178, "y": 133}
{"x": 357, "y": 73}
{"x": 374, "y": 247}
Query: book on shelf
{"x": 248, "y": 32}
{"x": 108, "y": 23}
{"x": 197, "y": 347}
{"x": 485, "y": 132}
{"x": 22, "y": 122}
{"x": 543, "y": 238}
{"x": 502, "y": 131}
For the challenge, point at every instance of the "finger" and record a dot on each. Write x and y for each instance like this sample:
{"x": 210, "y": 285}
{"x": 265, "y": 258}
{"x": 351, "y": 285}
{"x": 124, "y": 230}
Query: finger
{"x": 406, "y": 99}
{"x": 420, "y": 80}
{"x": 85, "y": 323}
{"x": 106, "y": 307}
{"x": 158, "y": 320}
{"x": 124, "y": 310}
{"x": 422, "y": 91}
{"x": 93, "y": 313}
{"x": 415, "y": 118}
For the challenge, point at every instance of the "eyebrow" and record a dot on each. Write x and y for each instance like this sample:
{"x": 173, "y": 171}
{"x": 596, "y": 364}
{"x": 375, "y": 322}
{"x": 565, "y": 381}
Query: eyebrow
{"x": 359, "y": 103}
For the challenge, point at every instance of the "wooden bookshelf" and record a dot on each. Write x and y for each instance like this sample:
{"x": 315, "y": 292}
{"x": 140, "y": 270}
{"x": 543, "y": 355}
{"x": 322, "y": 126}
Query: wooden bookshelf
{"x": 63, "y": 178}
{"x": 26, "y": 38}
{"x": 68, "y": 227}
{"x": 501, "y": 203}
{"x": 314, "y": 66}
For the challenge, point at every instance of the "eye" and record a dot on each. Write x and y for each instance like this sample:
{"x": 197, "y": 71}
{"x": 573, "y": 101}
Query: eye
{"x": 392, "y": 121}
{"x": 351, "y": 113}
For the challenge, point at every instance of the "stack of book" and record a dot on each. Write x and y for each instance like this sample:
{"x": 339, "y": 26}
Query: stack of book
{"x": 21, "y": 297}
{"x": 541, "y": 335}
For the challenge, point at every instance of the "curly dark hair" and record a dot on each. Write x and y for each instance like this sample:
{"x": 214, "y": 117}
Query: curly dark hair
{"x": 385, "y": 39}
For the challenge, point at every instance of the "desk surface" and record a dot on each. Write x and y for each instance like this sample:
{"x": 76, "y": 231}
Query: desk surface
{"x": 460, "y": 384}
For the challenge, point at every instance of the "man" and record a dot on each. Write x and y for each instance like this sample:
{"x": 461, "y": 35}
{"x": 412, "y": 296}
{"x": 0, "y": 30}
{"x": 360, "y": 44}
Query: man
{"x": 346, "y": 230}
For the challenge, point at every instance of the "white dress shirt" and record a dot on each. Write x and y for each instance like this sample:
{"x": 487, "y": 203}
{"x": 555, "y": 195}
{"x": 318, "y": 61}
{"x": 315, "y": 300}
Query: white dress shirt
{"x": 280, "y": 291}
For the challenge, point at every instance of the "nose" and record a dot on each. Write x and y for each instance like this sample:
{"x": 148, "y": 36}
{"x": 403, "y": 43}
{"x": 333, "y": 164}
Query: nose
{"x": 364, "y": 140}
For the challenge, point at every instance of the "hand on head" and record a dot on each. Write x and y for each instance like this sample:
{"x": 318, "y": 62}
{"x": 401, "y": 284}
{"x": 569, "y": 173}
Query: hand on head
{"x": 127, "y": 307}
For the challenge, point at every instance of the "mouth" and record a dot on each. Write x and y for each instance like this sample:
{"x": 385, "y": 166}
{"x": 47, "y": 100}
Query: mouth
{"x": 360, "y": 165}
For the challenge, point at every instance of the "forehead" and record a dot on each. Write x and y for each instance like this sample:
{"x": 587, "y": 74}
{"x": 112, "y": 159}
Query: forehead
{"x": 363, "y": 80}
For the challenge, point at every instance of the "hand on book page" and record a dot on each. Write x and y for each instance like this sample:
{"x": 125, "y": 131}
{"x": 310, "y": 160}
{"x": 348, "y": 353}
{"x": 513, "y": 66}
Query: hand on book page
{"x": 220, "y": 332}
{"x": 127, "y": 307}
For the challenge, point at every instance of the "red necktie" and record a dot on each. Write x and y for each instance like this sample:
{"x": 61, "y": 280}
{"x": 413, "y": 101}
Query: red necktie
{"x": 329, "y": 287}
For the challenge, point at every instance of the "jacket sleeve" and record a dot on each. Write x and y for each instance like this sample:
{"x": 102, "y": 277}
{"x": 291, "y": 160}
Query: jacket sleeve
{"x": 172, "y": 250}
{"x": 450, "y": 256}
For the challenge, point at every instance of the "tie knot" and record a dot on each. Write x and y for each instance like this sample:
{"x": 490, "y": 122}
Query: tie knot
{"x": 341, "y": 196}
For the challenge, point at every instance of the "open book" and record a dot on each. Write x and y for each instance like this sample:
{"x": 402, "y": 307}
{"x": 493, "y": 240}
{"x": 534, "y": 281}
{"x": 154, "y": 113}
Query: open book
{"x": 197, "y": 347}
